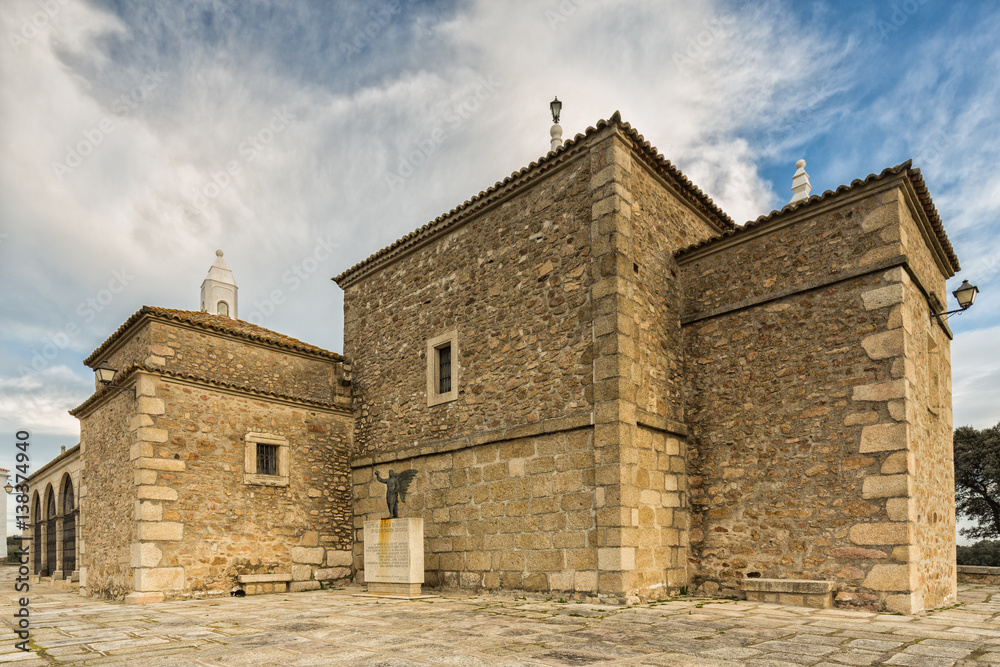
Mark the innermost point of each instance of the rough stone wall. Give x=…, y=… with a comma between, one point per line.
x=201, y=524
x=107, y=499
x=515, y=284
x=134, y=349
x=209, y=354
x=814, y=476
x=239, y=362
x=919, y=257
x=642, y=512
x=608, y=315
x=661, y=224
x=654, y=461
x=930, y=461
x=514, y=514
x=789, y=257
x=776, y=475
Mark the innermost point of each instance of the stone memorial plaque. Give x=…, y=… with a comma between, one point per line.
x=394, y=556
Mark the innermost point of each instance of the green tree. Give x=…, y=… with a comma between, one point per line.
x=985, y=552
x=977, y=479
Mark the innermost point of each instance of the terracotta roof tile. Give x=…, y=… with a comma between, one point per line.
x=915, y=178
x=219, y=323
x=62, y=456
x=643, y=147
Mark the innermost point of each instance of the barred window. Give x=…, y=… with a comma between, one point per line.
x=267, y=459
x=444, y=369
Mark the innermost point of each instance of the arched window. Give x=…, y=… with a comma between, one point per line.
x=50, y=505
x=67, y=497
x=224, y=309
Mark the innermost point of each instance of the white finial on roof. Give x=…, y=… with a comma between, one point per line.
x=555, y=133
x=800, y=183
x=218, y=290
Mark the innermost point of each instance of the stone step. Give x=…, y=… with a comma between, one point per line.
x=801, y=592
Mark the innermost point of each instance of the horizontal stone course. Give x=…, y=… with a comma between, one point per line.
x=263, y=578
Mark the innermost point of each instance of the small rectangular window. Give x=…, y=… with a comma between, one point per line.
x=444, y=369
x=267, y=459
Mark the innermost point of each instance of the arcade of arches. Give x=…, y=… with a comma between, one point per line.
x=55, y=525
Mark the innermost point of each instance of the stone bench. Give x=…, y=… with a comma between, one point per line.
x=801, y=592
x=254, y=584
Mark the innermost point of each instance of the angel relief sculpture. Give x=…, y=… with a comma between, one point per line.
x=395, y=489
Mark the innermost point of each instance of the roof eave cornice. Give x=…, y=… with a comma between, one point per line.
x=544, y=167
x=810, y=208
x=907, y=180
x=929, y=222
x=130, y=375
x=147, y=313
x=485, y=201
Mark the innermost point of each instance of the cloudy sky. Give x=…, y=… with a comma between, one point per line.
x=137, y=137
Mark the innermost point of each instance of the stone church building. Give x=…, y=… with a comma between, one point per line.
x=608, y=389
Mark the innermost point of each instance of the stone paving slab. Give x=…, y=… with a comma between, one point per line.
x=334, y=628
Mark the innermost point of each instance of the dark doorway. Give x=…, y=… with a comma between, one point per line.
x=50, y=539
x=36, y=529
x=69, y=531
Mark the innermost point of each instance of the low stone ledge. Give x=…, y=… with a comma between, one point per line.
x=800, y=592
x=696, y=316
x=534, y=429
x=263, y=578
x=978, y=574
x=660, y=423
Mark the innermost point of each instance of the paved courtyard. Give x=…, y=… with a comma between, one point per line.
x=334, y=628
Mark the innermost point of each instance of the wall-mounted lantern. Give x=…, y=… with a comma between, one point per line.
x=106, y=377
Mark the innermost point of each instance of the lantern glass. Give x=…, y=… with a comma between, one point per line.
x=105, y=374
x=966, y=294
x=556, y=107
x=9, y=488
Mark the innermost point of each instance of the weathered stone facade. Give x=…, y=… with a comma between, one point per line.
x=558, y=286
x=172, y=501
x=770, y=400
x=607, y=388
x=815, y=434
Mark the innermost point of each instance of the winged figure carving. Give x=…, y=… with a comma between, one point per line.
x=396, y=486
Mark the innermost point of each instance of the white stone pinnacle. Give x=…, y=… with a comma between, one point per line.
x=218, y=290
x=556, y=134
x=800, y=183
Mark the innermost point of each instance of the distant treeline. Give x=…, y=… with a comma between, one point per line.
x=985, y=552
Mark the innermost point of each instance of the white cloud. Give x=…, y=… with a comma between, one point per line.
x=40, y=402
x=975, y=370
x=716, y=87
